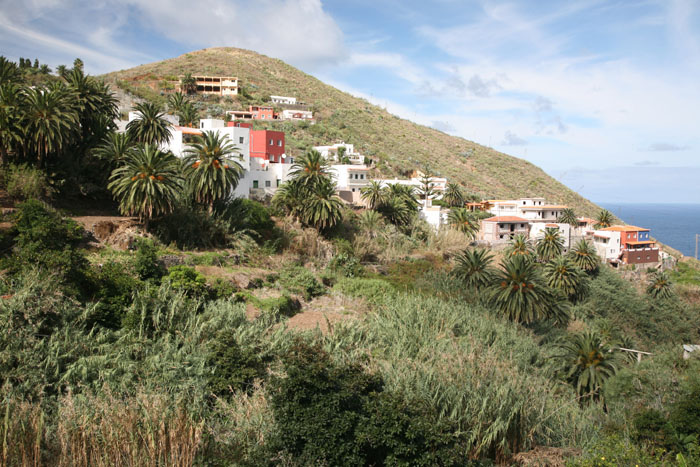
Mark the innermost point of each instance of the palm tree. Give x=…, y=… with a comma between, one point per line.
x=660, y=285
x=462, y=220
x=587, y=364
x=454, y=196
x=562, y=274
x=550, y=245
x=521, y=294
x=584, y=255
x=176, y=102
x=519, y=246
x=188, y=84
x=474, y=268
x=188, y=114
x=78, y=64
x=604, y=219
x=323, y=209
x=373, y=194
x=9, y=72
x=210, y=169
x=150, y=125
x=148, y=184
x=568, y=216
x=11, y=118
x=290, y=197
x=396, y=210
x=370, y=222
x=51, y=120
x=115, y=148
x=61, y=71
x=310, y=169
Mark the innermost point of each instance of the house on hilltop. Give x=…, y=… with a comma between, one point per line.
x=214, y=85
x=625, y=244
x=501, y=229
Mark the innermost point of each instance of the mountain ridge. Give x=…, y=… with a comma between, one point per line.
x=398, y=145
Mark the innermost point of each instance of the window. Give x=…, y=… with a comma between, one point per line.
x=263, y=116
x=500, y=236
x=362, y=176
x=255, y=183
x=267, y=183
x=272, y=142
x=639, y=257
x=241, y=139
x=353, y=190
x=279, y=142
x=648, y=257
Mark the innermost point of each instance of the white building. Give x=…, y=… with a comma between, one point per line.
x=438, y=183
x=537, y=231
x=297, y=115
x=608, y=244
x=434, y=215
x=283, y=100
x=350, y=179
x=331, y=152
x=501, y=229
x=532, y=209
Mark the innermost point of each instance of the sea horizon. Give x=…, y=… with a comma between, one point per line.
x=673, y=224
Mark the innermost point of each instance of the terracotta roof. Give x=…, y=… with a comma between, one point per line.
x=552, y=225
x=587, y=220
x=189, y=131
x=547, y=206
x=506, y=219
x=625, y=228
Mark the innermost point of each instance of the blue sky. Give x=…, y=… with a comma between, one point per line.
x=603, y=95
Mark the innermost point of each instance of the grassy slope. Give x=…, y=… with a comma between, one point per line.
x=398, y=144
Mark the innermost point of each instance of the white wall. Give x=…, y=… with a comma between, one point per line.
x=537, y=231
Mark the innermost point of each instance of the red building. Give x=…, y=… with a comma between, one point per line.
x=265, y=144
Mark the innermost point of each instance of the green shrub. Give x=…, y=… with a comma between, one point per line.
x=223, y=289
x=146, y=263
x=299, y=280
x=113, y=289
x=187, y=280
x=234, y=367
x=374, y=290
x=346, y=265
x=191, y=228
x=685, y=412
x=24, y=182
x=280, y=306
x=650, y=426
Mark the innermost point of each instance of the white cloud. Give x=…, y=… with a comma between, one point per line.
x=511, y=139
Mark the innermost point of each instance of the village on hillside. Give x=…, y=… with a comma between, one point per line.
x=266, y=166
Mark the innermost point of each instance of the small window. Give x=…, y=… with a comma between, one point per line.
x=648, y=257
x=263, y=116
x=241, y=139
x=353, y=190
x=279, y=142
x=362, y=176
x=272, y=142
x=267, y=184
x=500, y=236
x=278, y=182
x=639, y=257
x=255, y=183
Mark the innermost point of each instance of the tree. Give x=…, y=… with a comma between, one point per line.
x=341, y=155
x=9, y=72
x=148, y=184
x=45, y=70
x=462, y=220
x=604, y=219
x=562, y=274
x=323, y=209
x=396, y=210
x=519, y=246
x=11, y=120
x=78, y=64
x=550, y=245
x=587, y=363
x=211, y=172
x=188, y=84
x=188, y=115
x=61, y=71
x=51, y=120
x=373, y=194
x=568, y=216
x=290, y=197
x=115, y=148
x=474, y=268
x=584, y=255
x=370, y=222
x=660, y=285
x=176, y=102
x=521, y=294
x=427, y=188
x=150, y=125
x=310, y=169
x=454, y=196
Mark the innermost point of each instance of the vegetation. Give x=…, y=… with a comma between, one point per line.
x=604, y=219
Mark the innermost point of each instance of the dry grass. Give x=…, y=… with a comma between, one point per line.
x=326, y=311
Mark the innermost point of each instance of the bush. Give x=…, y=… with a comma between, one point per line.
x=234, y=367
x=346, y=265
x=223, y=289
x=113, y=289
x=191, y=228
x=280, y=306
x=24, y=182
x=146, y=263
x=187, y=280
x=297, y=279
x=374, y=290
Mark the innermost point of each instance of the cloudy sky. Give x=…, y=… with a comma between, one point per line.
x=604, y=95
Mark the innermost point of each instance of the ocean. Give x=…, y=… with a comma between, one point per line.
x=672, y=224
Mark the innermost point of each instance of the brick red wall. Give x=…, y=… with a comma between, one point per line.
x=260, y=144
x=630, y=256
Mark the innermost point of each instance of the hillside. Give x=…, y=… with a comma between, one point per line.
x=398, y=145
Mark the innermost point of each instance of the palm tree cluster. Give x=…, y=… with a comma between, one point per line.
x=523, y=289
x=464, y=221
x=310, y=194
x=396, y=203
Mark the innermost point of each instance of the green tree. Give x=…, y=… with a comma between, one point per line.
x=373, y=194
x=51, y=120
x=587, y=363
x=474, y=267
x=521, y=294
x=290, y=197
x=310, y=169
x=427, y=187
x=148, y=184
x=462, y=220
x=370, y=222
x=396, y=210
x=211, y=171
x=564, y=275
x=188, y=115
x=454, y=196
x=519, y=246
x=568, y=216
x=9, y=72
x=11, y=120
x=61, y=71
x=176, y=102
x=584, y=255
x=660, y=285
x=78, y=64
x=188, y=84
x=550, y=245
x=323, y=208
x=116, y=147
x=150, y=125
x=604, y=219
